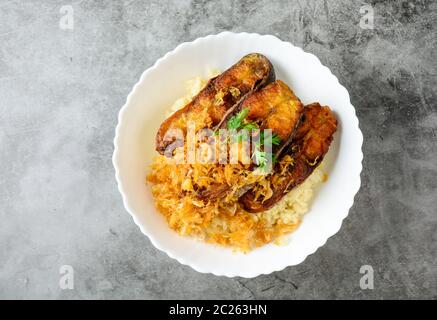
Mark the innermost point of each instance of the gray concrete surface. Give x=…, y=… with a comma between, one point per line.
x=61, y=90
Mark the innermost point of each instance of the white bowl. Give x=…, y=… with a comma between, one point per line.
x=163, y=83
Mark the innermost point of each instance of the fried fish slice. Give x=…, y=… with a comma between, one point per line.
x=311, y=143
x=276, y=107
x=273, y=107
x=222, y=93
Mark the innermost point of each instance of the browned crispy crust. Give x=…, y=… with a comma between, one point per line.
x=309, y=146
x=215, y=191
x=276, y=107
x=220, y=95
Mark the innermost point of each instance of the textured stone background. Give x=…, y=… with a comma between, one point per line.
x=61, y=90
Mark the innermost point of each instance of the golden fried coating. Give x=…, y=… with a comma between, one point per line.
x=221, y=93
x=309, y=146
x=275, y=107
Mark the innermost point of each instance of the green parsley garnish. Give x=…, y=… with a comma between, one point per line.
x=275, y=139
x=237, y=123
x=260, y=157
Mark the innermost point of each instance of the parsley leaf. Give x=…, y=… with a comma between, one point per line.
x=249, y=126
x=260, y=157
x=275, y=139
x=236, y=121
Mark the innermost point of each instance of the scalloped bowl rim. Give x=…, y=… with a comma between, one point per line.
x=354, y=187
